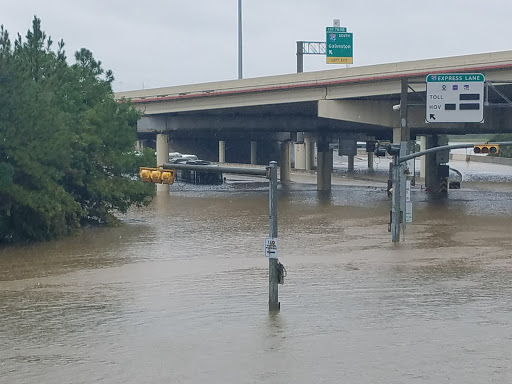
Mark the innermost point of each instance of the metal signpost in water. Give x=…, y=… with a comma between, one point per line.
x=398, y=176
x=273, y=262
x=274, y=267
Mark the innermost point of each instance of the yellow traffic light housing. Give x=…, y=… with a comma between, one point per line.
x=145, y=175
x=157, y=175
x=486, y=148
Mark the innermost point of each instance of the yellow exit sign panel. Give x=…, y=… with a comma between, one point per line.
x=340, y=60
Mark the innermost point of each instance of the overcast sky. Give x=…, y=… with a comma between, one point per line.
x=173, y=42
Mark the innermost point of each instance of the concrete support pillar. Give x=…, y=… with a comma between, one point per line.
x=309, y=148
x=324, y=170
x=222, y=151
x=431, y=175
x=162, y=156
x=300, y=155
x=370, y=161
x=370, y=139
x=423, y=146
x=324, y=165
x=254, y=153
x=350, y=166
x=285, y=163
x=139, y=145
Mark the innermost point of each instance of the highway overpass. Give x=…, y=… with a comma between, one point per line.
x=352, y=102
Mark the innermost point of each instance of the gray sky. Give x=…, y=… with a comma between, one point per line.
x=173, y=42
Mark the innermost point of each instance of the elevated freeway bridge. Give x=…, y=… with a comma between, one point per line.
x=312, y=109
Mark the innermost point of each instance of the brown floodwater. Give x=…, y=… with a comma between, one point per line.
x=178, y=294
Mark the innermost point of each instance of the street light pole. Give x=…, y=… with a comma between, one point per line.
x=239, y=39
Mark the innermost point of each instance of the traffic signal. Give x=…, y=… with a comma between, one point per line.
x=486, y=148
x=157, y=175
x=370, y=146
x=380, y=151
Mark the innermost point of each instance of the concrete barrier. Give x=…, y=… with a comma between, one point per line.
x=482, y=159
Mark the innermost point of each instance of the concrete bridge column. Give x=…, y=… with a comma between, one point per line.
x=300, y=155
x=324, y=166
x=370, y=160
x=431, y=176
x=350, y=166
x=285, y=163
x=370, y=154
x=162, y=156
x=309, y=149
x=254, y=153
x=139, y=145
x=423, y=146
x=222, y=151
x=432, y=161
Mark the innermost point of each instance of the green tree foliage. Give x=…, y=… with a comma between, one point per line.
x=66, y=146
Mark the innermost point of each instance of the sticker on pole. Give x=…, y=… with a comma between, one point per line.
x=408, y=212
x=271, y=248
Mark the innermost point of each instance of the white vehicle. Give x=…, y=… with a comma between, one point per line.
x=173, y=156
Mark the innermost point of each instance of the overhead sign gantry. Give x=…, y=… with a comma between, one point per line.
x=399, y=178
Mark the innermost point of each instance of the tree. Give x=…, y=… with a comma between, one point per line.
x=67, y=147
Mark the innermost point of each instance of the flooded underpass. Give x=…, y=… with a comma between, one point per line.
x=178, y=294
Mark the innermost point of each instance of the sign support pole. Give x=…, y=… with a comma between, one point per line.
x=398, y=177
x=405, y=137
x=396, y=214
x=273, y=269
x=403, y=184
x=300, y=56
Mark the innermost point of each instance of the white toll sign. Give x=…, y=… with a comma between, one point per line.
x=455, y=98
x=408, y=212
x=271, y=248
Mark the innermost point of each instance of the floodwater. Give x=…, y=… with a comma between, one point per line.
x=178, y=294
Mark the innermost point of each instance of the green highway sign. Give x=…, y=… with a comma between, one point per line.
x=338, y=46
x=455, y=77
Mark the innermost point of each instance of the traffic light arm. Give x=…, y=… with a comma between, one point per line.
x=453, y=146
x=166, y=174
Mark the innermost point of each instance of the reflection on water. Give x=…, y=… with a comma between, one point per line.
x=179, y=293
